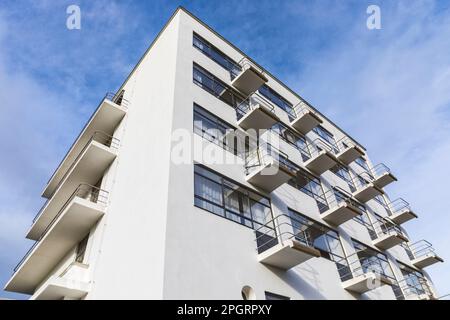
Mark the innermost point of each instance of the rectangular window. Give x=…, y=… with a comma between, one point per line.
x=216, y=55
x=311, y=186
x=216, y=87
x=81, y=249
x=213, y=129
x=372, y=260
x=344, y=174
x=275, y=98
x=227, y=199
x=294, y=139
x=274, y=296
x=362, y=163
x=414, y=282
x=325, y=135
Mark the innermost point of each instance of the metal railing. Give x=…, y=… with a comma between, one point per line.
x=98, y=136
x=397, y=206
x=379, y=170
x=117, y=98
x=336, y=195
x=301, y=109
x=421, y=248
x=345, y=143
x=84, y=191
x=285, y=227
x=415, y=287
x=250, y=104
x=245, y=64
x=354, y=266
x=384, y=226
x=264, y=155
x=318, y=145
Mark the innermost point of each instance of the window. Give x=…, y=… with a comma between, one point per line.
x=365, y=221
x=216, y=55
x=311, y=186
x=274, y=296
x=274, y=97
x=215, y=130
x=325, y=135
x=81, y=249
x=344, y=174
x=293, y=139
x=372, y=260
x=225, y=198
x=414, y=281
x=362, y=163
x=217, y=88
x=317, y=235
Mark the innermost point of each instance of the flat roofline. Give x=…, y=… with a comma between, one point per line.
x=181, y=8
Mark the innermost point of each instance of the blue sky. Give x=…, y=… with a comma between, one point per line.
x=394, y=82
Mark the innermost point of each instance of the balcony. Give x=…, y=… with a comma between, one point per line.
x=400, y=211
x=249, y=79
x=76, y=217
x=322, y=157
x=382, y=175
x=388, y=235
x=304, y=119
x=108, y=115
x=365, y=190
x=73, y=283
x=363, y=274
x=87, y=167
x=341, y=207
x=268, y=168
x=349, y=151
x=415, y=288
x=423, y=255
x=256, y=112
x=284, y=244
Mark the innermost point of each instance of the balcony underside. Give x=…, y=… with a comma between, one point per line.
x=368, y=192
x=249, y=80
x=71, y=226
x=88, y=169
x=384, y=179
x=270, y=176
x=426, y=260
x=340, y=214
x=259, y=118
x=389, y=240
x=306, y=122
x=365, y=282
x=324, y=161
x=403, y=216
x=60, y=288
x=350, y=154
x=105, y=119
x=288, y=255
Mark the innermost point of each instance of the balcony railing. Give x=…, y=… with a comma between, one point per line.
x=341, y=206
x=98, y=136
x=256, y=112
x=417, y=288
x=245, y=64
x=422, y=254
x=388, y=234
x=264, y=155
x=354, y=266
x=84, y=191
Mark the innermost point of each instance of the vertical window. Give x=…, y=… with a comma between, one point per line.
x=362, y=163
x=214, y=86
x=294, y=139
x=215, y=130
x=325, y=135
x=225, y=198
x=372, y=260
x=311, y=186
x=81, y=249
x=344, y=174
x=216, y=55
x=274, y=97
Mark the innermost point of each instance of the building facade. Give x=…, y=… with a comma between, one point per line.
x=205, y=177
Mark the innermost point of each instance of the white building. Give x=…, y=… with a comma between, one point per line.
x=126, y=220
